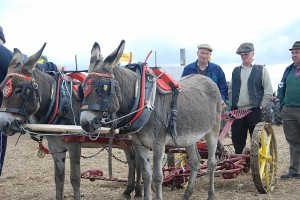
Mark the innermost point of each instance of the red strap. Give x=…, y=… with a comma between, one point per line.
x=166, y=78
x=44, y=149
x=142, y=96
x=56, y=101
x=78, y=76
x=20, y=75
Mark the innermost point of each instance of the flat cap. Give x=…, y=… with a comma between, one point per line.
x=205, y=46
x=245, y=48
x=295, y=46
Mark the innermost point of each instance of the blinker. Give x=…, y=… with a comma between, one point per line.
x=7, y=90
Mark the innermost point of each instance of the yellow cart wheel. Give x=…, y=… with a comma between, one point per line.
x=263, y=158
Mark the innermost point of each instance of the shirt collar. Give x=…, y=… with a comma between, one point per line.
x=297, y=66
x=253, y=63
x=202, y=67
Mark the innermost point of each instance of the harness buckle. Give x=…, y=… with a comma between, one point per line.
x=34, y=84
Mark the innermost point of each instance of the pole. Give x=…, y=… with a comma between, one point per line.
x=76, y=62
x=155, y=60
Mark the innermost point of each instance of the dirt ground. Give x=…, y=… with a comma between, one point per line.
x=26, y=176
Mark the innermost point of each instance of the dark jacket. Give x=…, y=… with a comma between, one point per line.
x=214, y=72
x=282, y=85
x=255, y=88
x=5, y=57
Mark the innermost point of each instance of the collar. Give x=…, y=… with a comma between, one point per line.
x=297, y=66
x=253, y=63
x=202, y=67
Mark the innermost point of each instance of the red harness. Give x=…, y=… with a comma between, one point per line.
x=7, y=90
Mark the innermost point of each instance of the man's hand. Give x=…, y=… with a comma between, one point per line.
x=223, y=105
x=61, y=68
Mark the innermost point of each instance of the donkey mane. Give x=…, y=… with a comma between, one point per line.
x=126, y=85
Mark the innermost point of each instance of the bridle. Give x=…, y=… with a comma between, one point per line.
x=105, y=87
x=27, y=92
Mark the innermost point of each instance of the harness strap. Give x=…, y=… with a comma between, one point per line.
x=55, y=111
x=26, y=93
x=10, y=110
x=142, y=97
x=95, y=107
x=105, y=89
x=46, y=117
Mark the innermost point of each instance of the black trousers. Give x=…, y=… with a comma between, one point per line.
x=3, y=142
x=240, y=128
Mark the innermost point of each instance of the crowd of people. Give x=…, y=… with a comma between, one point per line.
x=250, y=88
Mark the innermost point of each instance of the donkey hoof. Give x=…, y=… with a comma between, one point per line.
x=125, y=197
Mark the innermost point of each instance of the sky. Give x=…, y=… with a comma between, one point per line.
x=162, y=26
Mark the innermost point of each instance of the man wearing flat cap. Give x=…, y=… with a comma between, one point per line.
x=250, y=89
x=203, y=66
x=289, y=95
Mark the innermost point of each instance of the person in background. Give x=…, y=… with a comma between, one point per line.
x=5, y=57
x=250, y=89
x=203, y=66
x=289, y=94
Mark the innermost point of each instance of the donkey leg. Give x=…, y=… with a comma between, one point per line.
x=212, y=141
x=74, y=149
x=130, y=157
x=158, y=154
x=194, y=160
x=59, y=168
x=138, y=185
x=143, y=154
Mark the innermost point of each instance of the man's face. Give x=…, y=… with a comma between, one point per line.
x=203, y=55
x=247, y=58
x=296, y=56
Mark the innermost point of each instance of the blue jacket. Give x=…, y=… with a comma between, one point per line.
x=214, y=72
x=5, y=57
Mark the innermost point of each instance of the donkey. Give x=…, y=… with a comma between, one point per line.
x=199, y=115
x=27, y=98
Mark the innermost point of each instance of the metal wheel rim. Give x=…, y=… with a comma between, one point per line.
x=263, y=158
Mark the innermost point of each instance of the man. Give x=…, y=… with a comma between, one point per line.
x=203, y=66
x=5, y=58
x=289, y=95
x=250, y=89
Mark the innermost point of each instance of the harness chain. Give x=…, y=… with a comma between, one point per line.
x=172, y=135
x=173, y=113
x=166, y=127
x=91, y=156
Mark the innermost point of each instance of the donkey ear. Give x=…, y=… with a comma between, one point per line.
x=112, y=60
x=16, y=61
x=95, y=56
x=17, y=58
x=32, y=60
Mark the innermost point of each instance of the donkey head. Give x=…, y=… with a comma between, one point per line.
x=20, y=91
x=100, y=86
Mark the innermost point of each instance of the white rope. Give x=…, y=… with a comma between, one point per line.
x=148, y=105
x=64, y=82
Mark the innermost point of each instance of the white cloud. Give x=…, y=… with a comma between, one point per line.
x=71, y=27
